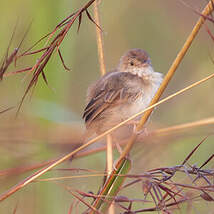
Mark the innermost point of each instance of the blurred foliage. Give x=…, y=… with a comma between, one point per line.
x=159, y=27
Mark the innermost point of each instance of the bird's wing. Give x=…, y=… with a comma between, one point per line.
x=111, y=91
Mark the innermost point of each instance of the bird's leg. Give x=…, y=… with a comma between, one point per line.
x=133, y=122
x=144, y=131
x=119, y=149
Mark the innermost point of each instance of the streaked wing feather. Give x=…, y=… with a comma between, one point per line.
x=94, y=113
x=92, y=104
x=97, y=106
x=112, y=89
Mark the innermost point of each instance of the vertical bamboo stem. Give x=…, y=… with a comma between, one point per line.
x=99, y=39
x=109, y=150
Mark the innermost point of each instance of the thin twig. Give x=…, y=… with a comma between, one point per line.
x=159, y=132
x=154, y=103
x=176, y=128
x=71, y=154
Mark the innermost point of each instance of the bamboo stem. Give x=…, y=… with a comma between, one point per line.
x=99, y=37
x=38, y=173
x=109, y=146
x=207, y=10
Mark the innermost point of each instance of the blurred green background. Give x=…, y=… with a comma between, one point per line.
x=50, y=123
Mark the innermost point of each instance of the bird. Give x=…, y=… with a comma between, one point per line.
x=121, y=93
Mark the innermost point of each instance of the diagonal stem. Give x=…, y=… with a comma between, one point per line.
x=207, y=10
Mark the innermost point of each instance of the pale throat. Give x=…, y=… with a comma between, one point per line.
x=152, y=81
x=148, y=75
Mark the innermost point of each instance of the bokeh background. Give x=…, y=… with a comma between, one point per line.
x=50, y=123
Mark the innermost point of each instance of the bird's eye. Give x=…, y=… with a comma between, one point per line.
x=131, y=63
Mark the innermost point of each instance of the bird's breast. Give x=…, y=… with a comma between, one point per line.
x=141, y=103
x=138, y=105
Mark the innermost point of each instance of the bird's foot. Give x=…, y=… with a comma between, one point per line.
x=119, y=149
x=133, y=122
x=143, y=132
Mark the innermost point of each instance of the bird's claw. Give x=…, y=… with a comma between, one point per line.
x=143, y=131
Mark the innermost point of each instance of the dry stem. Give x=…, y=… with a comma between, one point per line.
x=99, y=39
x=68, y=156
x=208, y=9
x=109, y=146
x=159, y=132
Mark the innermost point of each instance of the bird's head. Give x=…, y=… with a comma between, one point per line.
x=138, y=62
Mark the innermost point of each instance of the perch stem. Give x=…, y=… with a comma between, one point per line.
x=207, y=10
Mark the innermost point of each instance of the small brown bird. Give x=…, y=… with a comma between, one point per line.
x=121, y=93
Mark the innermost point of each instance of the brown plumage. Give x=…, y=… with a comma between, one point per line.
x=122, y=93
